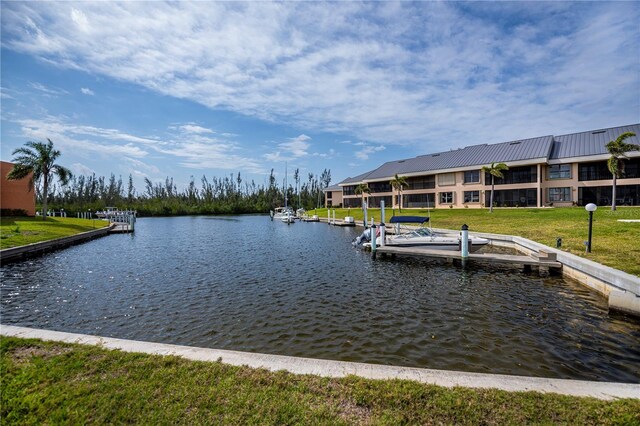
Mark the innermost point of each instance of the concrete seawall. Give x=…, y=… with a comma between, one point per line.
x=328, y=368
x=621, y=289
x=18, y=253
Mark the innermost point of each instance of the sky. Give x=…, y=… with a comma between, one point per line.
x=184, y=89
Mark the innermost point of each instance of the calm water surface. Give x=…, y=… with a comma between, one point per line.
x=250, y=284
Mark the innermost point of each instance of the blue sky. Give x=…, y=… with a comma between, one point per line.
x=185, y=89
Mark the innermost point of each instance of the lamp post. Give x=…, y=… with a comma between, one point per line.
x=590, y=208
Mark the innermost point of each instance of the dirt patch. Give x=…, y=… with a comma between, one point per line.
x=353, y=413
x=24, y=354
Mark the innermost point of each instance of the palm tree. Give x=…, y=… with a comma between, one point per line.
x=39, y=160
x=618, y=149
x=362, y=189
x=495, y=170
x=398, y=182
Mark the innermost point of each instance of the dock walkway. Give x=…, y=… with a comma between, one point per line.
x=526, y=261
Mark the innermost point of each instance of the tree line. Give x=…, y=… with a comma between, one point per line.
x=216, y=195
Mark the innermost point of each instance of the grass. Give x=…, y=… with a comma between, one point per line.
x=19, y=231
x=614, y=243
x=47, y=382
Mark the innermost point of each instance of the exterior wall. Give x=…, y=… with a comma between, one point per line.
x=542, y=186
x=574, y=184
x=332, y=198
x=15, y=194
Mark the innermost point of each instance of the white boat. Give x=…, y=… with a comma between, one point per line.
x=288, y=218
x=421, y=237
x=426, y=238
x=281, y=212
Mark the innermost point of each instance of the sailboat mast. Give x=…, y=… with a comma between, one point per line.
x=285, y=184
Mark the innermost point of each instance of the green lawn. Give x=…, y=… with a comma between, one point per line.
x=19, y=231
x=616, y=244
x=51, y=383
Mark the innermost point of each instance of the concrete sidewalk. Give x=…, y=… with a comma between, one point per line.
x=328, y=368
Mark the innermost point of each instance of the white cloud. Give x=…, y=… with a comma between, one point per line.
x=49, y=91
x=294, y=148
x=419, y=73
x=195, y=129
x=87, y=91
x=367, y=150
x=81, y=169
x=4, y=93
x=80, y=19
x=73, y=138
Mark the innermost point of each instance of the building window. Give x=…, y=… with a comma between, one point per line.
x=446, y=179
x=421, y=182
x=471, y=196
x=419, y=200
x=349, y=190
x=379, y=187
x=559, y=194
x=446, y=198
x=560, y=171
x=513, y=198
x=375, y=201
x=525, y=174
x=600, y=171
x=472, y=176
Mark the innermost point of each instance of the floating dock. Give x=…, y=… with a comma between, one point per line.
x=120, y=228
x=543, y=259
x=341, y=223
x=310, y=219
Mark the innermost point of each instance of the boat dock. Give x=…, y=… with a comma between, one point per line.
x=120, y=228
x=341, y=223
x=541, y=259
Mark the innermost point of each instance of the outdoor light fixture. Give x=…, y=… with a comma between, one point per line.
x=590, y=208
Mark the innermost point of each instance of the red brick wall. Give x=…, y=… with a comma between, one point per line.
x=15, y=194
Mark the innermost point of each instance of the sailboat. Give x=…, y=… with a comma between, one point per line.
x=285, y=213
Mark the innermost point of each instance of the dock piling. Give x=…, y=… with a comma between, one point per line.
x=464, y=241
x=373, y=240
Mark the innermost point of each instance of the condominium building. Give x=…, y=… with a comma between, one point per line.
x=548, y=170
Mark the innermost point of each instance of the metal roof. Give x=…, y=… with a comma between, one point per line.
x=355, y=180
x=590, y=143
x=541, y=148
x=335, y=187
x=476, y=155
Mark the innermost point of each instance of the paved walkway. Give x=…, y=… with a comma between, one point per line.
x=327, y=368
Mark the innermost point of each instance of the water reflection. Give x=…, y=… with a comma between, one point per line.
x=256, y=285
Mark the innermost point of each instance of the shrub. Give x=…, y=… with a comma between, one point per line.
x=13, y=212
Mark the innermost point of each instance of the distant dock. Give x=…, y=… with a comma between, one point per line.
x=120, y=228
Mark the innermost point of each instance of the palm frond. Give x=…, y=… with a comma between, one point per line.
x=19, y=171
x=613, y=164
x=62, y=173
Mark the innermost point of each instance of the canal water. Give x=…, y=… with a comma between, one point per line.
x=249, y=284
